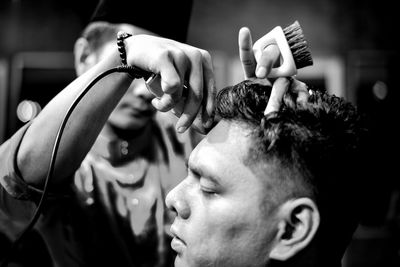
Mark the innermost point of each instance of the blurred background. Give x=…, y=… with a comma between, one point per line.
x=355, y=54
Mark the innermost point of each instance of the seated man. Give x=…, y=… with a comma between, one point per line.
x=280, y=189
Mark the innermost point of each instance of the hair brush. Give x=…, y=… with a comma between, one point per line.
x=294, y=49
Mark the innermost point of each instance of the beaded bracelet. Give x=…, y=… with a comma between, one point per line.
x=121, y=36
x=133, y=72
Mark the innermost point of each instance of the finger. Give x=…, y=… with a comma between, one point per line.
x=181, y=63
x=171, y=80
x=195, y=92
x=269, y=57
x=209, y=91
x=170, y=96
x=166, y=101
x=198, y=124
x=302, y=91
x=279, y=88
x=246, y=53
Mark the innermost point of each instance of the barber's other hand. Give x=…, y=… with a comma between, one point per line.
x=260, y=68
x=177, y=64
x=267, y=57
x=280, y=87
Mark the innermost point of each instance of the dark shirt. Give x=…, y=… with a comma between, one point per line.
x=113, y=211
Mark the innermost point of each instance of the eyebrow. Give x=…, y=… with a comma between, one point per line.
x=199, y=172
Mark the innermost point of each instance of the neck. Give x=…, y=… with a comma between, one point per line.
x=308, y=257
x=120, y=145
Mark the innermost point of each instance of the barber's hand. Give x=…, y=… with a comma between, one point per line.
x=267, y=57
x=279, y=88
x=260, y=68
x=177, y=64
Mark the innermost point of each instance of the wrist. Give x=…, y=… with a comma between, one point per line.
x=133, y=71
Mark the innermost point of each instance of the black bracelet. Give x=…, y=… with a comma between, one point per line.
x=121, y=36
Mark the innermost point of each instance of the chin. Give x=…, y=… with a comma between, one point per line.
x=179, y=262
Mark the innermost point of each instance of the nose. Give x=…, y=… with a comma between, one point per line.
x=176, y=201
x=138, y=88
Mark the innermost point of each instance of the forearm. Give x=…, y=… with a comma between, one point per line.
x=82, y=128
x=172, y=60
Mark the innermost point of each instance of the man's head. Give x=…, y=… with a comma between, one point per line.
x=162, y=18
x=269, y=189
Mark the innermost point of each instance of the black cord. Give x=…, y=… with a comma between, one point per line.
x=134, y=73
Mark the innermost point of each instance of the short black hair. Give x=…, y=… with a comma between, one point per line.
x=99, y=33
x=318, y=147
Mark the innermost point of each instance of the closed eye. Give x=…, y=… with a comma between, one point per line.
x=207, y=187
x=207, y=191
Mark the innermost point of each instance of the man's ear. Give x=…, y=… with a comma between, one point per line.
x=298, y=221
x=84, y=56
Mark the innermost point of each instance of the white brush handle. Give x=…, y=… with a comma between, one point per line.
x=277, y=36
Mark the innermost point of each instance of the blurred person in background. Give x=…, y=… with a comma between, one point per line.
x=118, y=157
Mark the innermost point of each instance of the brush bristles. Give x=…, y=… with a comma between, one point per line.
x=298, y=45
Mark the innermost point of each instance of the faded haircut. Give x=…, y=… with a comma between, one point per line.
x=316, y=148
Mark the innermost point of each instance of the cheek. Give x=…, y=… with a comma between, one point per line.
x=230, y=235
x=245, y=232
x=245, y=240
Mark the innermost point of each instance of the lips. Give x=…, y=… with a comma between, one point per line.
x=177, y=243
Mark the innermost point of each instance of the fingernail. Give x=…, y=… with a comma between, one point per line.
x=261, y=72
x=181, y=129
